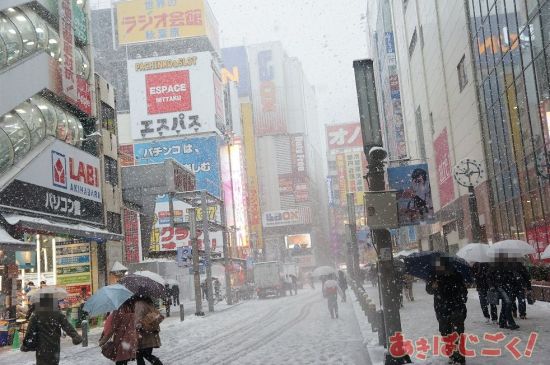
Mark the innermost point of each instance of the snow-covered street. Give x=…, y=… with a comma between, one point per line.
x=289, y=330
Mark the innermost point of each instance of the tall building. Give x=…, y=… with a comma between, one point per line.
x=55, y=225
x=511, y=55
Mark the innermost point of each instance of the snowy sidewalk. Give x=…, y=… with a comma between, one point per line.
x=418, y=321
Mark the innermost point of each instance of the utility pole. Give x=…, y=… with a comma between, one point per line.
x=196, y=257
x=372, y=144
x=353, y=235
x=226, y=257
x=208, y=251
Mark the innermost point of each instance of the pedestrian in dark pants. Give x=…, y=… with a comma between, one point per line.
x=500, y=278
x=176, y=295
x=330, y=291
x=343, y=284
x=148, y=321
x=480, y=271
x=294, y=280
x=450, y=296
x=521, y=283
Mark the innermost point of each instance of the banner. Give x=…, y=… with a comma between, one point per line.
x=174, y=96
x=131, y=236
x=73, y=269
x=344, y=136
x=342, y=177
x=236, y=69
x=142, y=21
x=414, y=197
x=268, y=85
x=298, y=155
x=443, y=165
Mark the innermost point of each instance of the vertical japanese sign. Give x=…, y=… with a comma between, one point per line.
x=268, y=85
x=443, y=165
x=68, y=75
x=74, y=268
x=343, y=136
x=131, y=236
x=174, y=96
x=236, y=69
x=149, y=20
x=342, y=180
x=298, y=154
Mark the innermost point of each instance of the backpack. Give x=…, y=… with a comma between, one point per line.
x=151, y=321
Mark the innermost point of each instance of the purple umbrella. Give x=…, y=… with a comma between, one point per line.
x=143, y=285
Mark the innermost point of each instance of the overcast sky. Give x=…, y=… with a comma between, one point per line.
x=326, y=35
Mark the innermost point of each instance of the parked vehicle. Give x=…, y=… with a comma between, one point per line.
x=267, y=277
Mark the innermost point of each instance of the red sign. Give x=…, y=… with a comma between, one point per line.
x=168, y=92
x=443, y=164
x=83, y=95
x=131, y=236
x=538, y=238
x=343, y=136
x=83, y=172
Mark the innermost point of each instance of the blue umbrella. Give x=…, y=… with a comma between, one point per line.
x=422, y=265
x=107, y=299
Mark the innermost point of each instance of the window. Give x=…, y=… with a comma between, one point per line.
x=108, y=118
x=420, y=133
x=421, y=37
x=111, y=171
x=114, y=223
x=412, y=44
x=462, y=76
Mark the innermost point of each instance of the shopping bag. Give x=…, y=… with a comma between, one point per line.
x=109, y=350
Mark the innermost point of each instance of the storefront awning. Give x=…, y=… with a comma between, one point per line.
x=8, y=242
x=81, y=231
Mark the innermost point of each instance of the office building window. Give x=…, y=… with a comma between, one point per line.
x=114, y=222
x=462, y=76
x=111, y=171
x=412, y=44
x=108, y=118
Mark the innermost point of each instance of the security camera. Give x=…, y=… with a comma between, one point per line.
x=378, y=153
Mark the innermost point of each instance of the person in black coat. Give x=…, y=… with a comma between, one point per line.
x=480, y=270
x=521, y=283
x=176, y=294
x=500, y=277
x=450, y=297
x=343, y=284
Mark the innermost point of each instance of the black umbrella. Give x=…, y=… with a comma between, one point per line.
x=422, y=264
x=143, y=285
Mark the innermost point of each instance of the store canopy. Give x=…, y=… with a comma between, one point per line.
x=7, y=241
x=64, y=229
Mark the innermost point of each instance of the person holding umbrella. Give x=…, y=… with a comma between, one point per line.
x=447, y=286
x=480, y=271
x=147, y=319
x=120, y=325
x=500, y=279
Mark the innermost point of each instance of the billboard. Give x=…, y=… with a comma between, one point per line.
x=344, y=136
x=63, y=181
x=74, y=269
x=143, y=21
x=287, y=217
x=174, y=95
x=443, y=165
x=414, y=196
x=303, y=241
x=268, y=87
x=236, y=69
x=198, y=154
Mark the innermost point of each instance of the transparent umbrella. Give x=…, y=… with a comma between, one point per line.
x=475, y=252
x=51, y=291
x=324, y=270
x=514, y=248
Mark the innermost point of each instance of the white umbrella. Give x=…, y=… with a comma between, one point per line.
x=151, y=275
x=405, y=253
x=512, y=248
x=475, y=252
x=546, y=253
x=324, y=270
x=53, y=291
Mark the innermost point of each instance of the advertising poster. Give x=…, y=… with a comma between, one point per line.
x=25, y=259
x=131, y=236
x=236, y=69
x=343, y=136
x=142, y=21
x=74, y=269
x=268, y=85
x=174, y=96
x=414, y=197
x=199, y=154
x=303, y=241
x=444, y=169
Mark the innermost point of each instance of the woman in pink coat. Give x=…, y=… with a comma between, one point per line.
x=120, y=325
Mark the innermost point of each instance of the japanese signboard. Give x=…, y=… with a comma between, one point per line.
x=344, y=136
x=149, y=20
x=63, y=181
x=342, y=177
x=443, y=165
x=414, y=196
x=180, y=96
x=236, y=69
x=74, y=269
x=268, y=85
x=131, y=236
x=68, y=74
x=199, y=154
x=298, y=154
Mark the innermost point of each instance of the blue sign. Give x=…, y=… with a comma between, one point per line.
x=236, y=68
x=390, y=46
x=198, y=154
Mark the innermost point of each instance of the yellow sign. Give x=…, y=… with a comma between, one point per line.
x=144, y=21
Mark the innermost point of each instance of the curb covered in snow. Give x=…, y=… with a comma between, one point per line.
x=370, y=339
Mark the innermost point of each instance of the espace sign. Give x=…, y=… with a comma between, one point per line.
x=65, y=169
x=168, y=92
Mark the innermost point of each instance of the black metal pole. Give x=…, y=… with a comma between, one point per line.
x=474, y=216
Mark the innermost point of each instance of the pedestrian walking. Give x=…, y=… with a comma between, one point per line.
x=294, y=281
x=330, y=291
x=44, y=331
x=288, y=284
x=167, y=300
x=147, y=322
x=204, y=288
x=521, y=284
x=480, y=271
x=373, y=275
x=218, y=290
x=176, y=295
x=343, y=284
x=450, y=296
x=500, y=278
x=311, y=280
x=408, y=287
x=121, y=327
